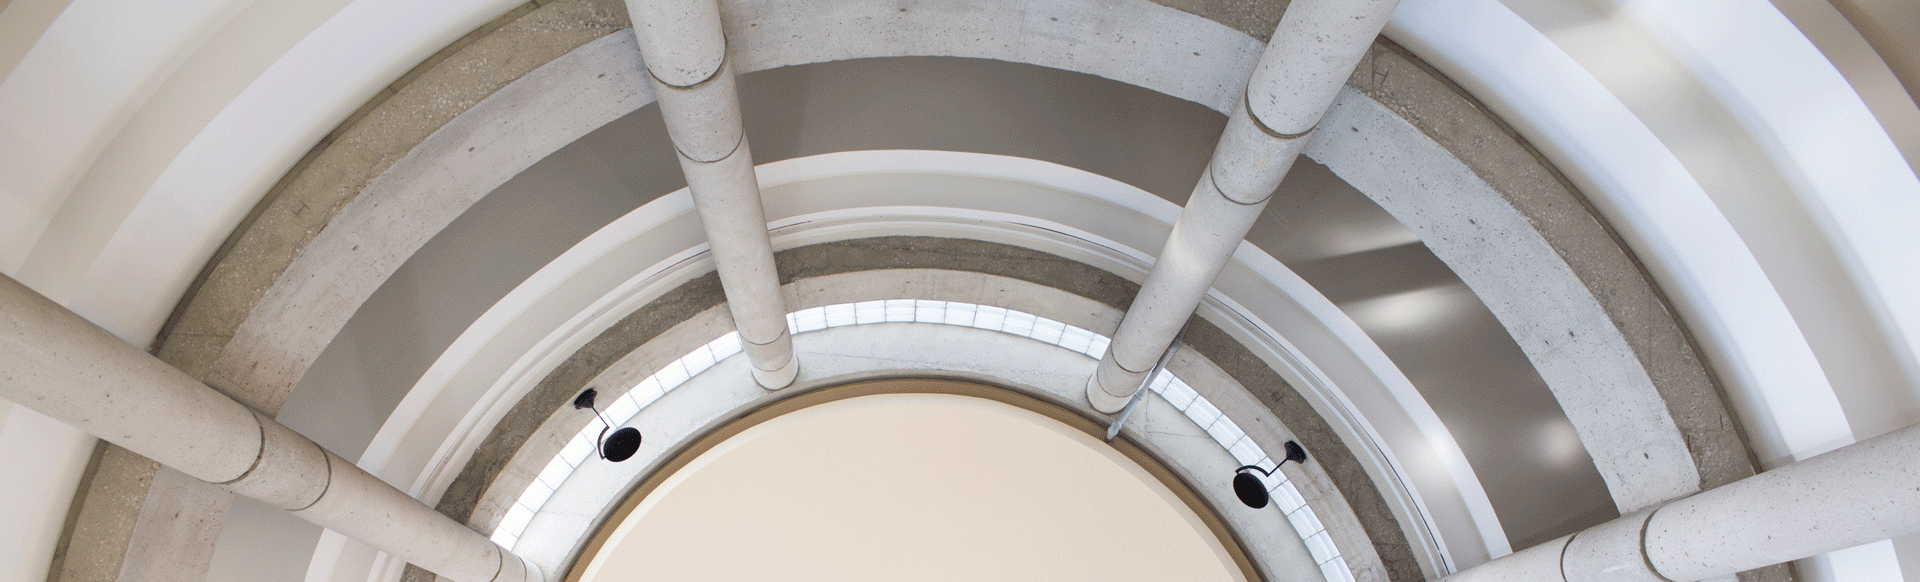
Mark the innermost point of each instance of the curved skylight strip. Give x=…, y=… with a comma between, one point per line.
x=1176, y=392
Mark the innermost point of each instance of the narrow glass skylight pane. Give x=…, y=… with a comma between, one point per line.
x=810, y=319
x=928, y=311
x=1019, y=323
x=839, y=315
x=1224, y=432
x=1076, y=339
x=1267, y=464
x=1098, y=349
x=989, y=317
x=960, y=314
x=1245, y=451
x=899, y=310
x=621, y=409
x=515, y=521
x=1287, y=497
x=1336, y=570
x=536, y=495
x=1047, y=330
x=1302, y=523
x=505, y=540
x=556, y=472
x=578, y=448
x=1161, y=382
x=1321, y=547
x=1180, y=396
x=646, y=391
x=726, y=346
x=866, y=312
x=1203, y=413
x=672, y=375
x=697, y=361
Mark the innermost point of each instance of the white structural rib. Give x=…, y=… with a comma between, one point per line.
x=57, y=363
x=686, y=54
x=1314, y=50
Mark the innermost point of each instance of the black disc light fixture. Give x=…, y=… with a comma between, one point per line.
x=616, y=448
x=1250, y=489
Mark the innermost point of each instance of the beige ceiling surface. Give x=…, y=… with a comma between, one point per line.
x=889, y=487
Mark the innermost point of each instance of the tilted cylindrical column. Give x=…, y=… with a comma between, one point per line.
x=1314, y=49
x=1864, y=492
x=686, y=55
x=57, y=363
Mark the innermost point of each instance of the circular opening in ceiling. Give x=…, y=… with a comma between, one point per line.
x=911, y=486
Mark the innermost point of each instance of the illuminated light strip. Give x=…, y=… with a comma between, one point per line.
x=1176, y=392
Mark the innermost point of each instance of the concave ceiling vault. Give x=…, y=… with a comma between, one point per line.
x=414, y=231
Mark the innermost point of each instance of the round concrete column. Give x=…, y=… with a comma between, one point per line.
x=55, y=362
x=686, y=54
x=1314, y=49
x=1864, y=492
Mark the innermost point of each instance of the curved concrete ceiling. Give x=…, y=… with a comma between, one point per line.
x=1701, y=135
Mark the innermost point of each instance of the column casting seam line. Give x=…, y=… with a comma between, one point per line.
x=258, y=454
x=499, y=563
x=326, y=485
x=710, y=76
x=1248, y=101
x=1646, y=557
x=783, y=333
x=1229, y=197
x=736, y=148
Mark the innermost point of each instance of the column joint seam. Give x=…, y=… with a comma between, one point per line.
x=1246, y=98
x=736, y=148
x=1646, y=557
x=783, y=333
x=717, y=69
x=326, y=484
x=260, y=428
x=1223, y=192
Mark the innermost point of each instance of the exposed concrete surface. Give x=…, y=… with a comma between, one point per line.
x=1569, y=224
x=60, y=364
x=121, y=513
x=1694, y=400
x=233, y=287
x=488, y=474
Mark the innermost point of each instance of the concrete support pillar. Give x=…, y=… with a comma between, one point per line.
x=686, y=54
x=1864, y=492
x=1314, y=49
x=55, y=362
